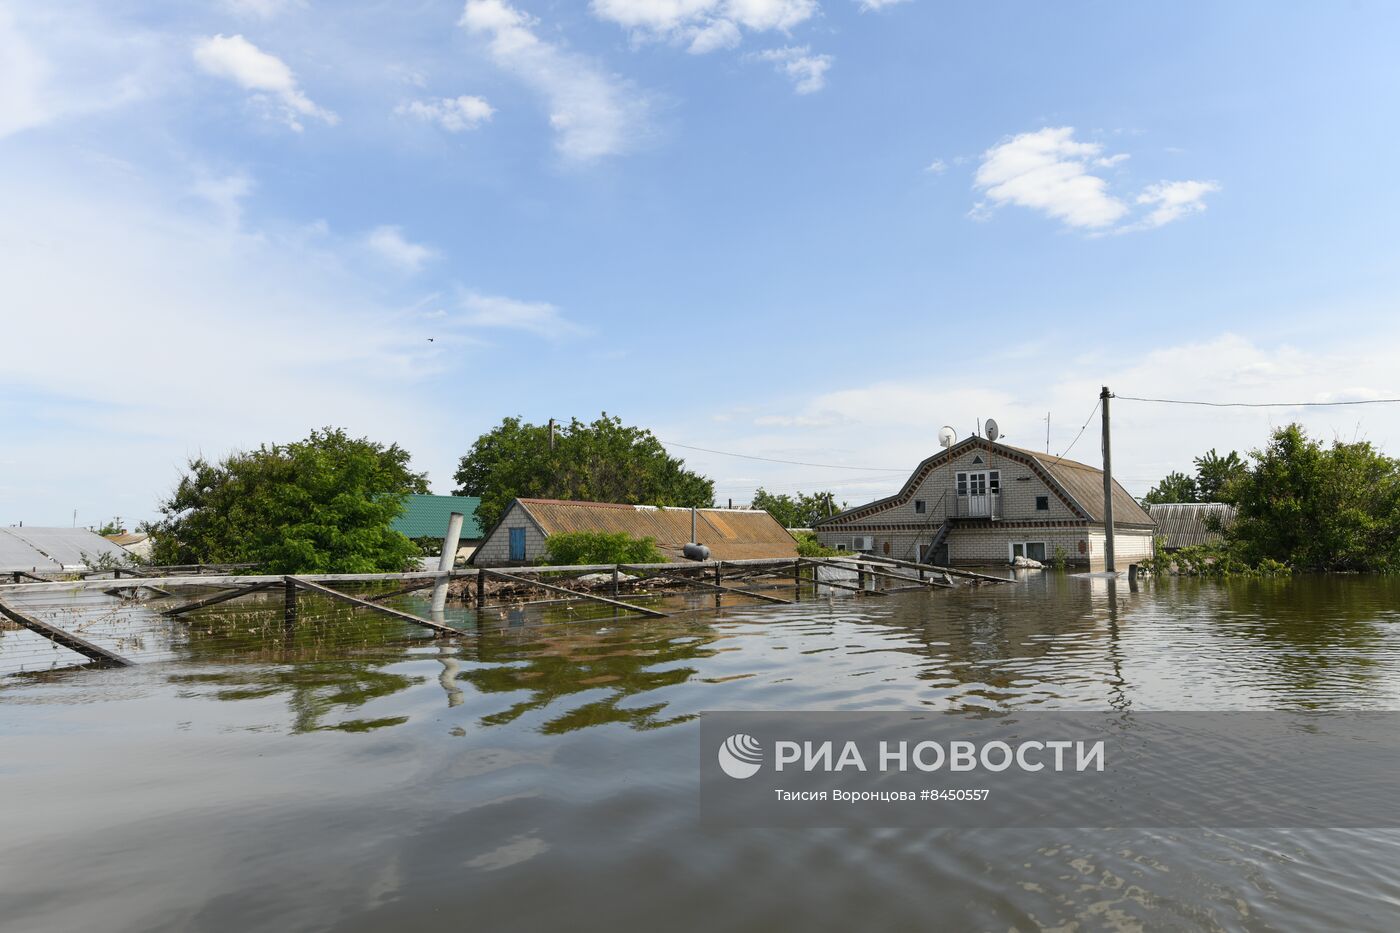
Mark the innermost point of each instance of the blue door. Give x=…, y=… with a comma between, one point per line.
x=517, y=544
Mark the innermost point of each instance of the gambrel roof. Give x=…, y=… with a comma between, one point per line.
x=1078, y=485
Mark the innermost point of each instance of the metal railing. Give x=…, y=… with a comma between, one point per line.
x=985, y=506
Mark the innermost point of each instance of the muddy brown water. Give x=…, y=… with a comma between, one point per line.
x=542, y=772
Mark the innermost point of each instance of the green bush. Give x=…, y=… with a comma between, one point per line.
x=1210, y=560
x=571, y=548
x=809, y=546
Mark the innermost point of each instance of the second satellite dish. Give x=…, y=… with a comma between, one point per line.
x=993, y=432
x=946, y=436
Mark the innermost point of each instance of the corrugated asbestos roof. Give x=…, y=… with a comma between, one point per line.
x=127, y=539
x=50, y=549
x=1085, y=484
x=1183, y=524
x=426, y=516
x=730, y=534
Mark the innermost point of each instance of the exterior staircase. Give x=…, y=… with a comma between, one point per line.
x=939, y=537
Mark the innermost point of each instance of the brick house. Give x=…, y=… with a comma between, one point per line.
x=521, y=536
x=982, y=502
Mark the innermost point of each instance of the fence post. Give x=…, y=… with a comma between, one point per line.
x=448, y=558
x=289, y=605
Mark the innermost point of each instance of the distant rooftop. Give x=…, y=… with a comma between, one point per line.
x=52, y=549
x=1184, y=524
x=426, y=516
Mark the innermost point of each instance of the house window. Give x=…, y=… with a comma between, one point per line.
x=841, y=546
x=1035, y=550
x=919, y=506
x=1042, y=503
x=887, y=548
x=994, y=482
x=962, y=484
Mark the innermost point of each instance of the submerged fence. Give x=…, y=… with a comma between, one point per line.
x=132, y=619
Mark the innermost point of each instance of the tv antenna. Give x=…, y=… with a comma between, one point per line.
x=993, y=432
x=946, y=436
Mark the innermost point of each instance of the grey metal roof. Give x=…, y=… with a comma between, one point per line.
x=51, y=549
x=1183, y=524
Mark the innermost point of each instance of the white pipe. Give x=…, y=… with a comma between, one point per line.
x=445, y=562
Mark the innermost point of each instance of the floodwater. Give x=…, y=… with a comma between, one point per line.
x=542, y=773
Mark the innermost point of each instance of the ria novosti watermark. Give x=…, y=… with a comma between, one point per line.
x=1050, y=769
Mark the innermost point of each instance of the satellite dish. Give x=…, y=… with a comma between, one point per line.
x=946, y=436
x=993, y=432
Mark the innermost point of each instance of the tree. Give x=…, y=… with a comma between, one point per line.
x=605, y=461
x=574, y=548
x=1216, y=475
x=318, y=505
x=1316, y=507
x=1175, y=487
x=799, y=510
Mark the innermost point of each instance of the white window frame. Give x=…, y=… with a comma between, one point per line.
x=1011, y=547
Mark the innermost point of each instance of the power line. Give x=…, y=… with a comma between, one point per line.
x=825, y=466
x=1177, y=401
x=1062, y=454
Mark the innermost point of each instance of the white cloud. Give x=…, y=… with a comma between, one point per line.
x=703, y=25
x=298, y=333
x=453, y=114
x=60, y=61
x=892, y=423
x=806, y=71
x=713, y=36
x=870, y=6
x=537, y=317
x=1051, y=172
x=242, y=62
x=226, y=194
x=22, y=75
x=1048, y=171
x=937, y=167
x=593, y=113
x=390, y=244
x=1174, y=199
x=262, y=9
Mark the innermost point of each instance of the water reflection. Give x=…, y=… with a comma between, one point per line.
x=1050, y=640
x=359, y=775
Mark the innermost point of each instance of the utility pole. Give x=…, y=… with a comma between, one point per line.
x=551, y=433
x=1104, y=396
x=1047, y=432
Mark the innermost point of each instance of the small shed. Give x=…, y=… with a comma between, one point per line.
x=137, y=542
x=1184, y=524
x=53, y=550
x=730, y=534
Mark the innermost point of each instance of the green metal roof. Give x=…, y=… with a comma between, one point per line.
x=426, y=516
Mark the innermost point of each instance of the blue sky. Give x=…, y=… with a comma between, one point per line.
x=801, y=230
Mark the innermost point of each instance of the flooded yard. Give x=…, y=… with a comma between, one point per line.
x=541, y=772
